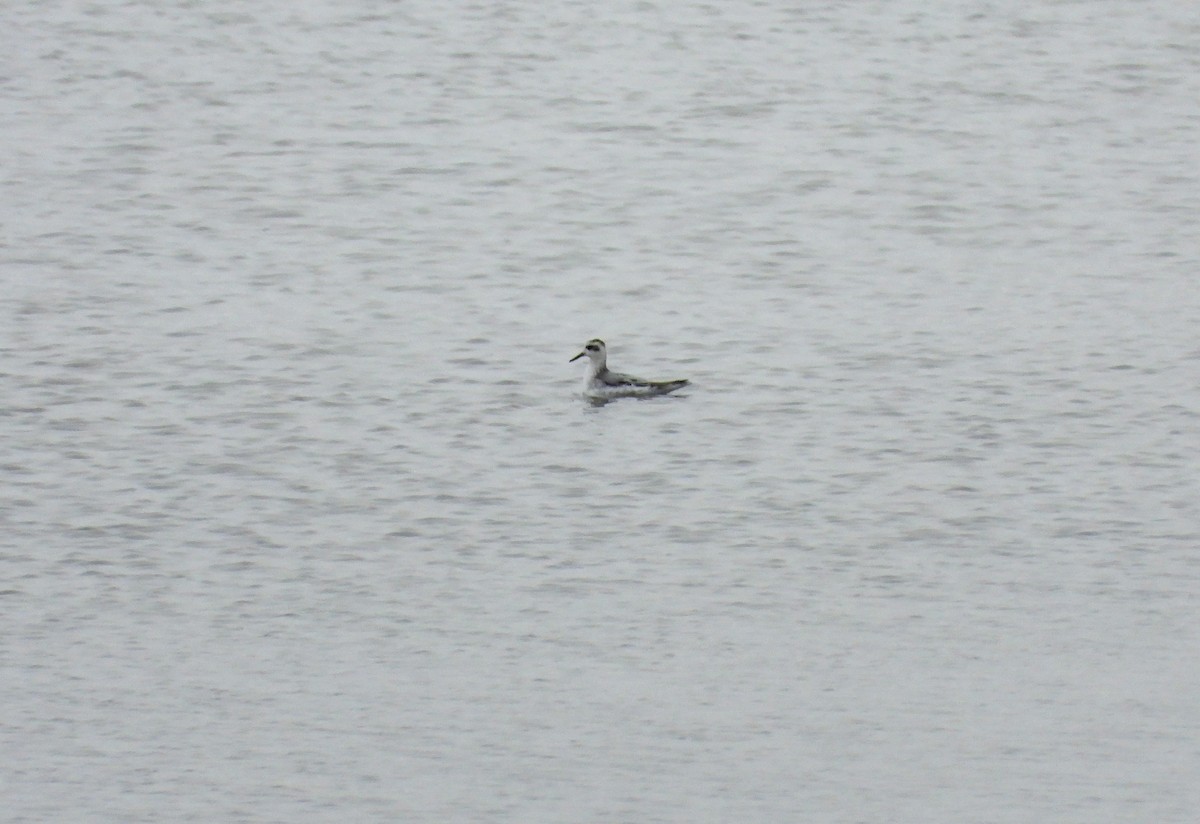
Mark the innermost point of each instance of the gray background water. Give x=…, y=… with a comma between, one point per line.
x=303, y=518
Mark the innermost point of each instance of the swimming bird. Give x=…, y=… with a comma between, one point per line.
x=601, y=382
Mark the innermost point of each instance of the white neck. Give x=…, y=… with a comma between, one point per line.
x=595, y=367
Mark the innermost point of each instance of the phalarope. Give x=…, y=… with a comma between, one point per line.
x=602, y=382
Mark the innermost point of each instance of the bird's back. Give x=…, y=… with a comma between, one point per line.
x=616, y=382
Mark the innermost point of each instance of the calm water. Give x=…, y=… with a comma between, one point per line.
x=303, y=518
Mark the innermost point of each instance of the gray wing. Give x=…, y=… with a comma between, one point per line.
x=610, y=378
x=616, y=379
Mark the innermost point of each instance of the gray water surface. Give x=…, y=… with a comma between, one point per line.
x=304, y=519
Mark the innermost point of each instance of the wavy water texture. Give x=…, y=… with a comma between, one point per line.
x=304, y=518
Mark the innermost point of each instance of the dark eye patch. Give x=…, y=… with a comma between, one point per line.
x=592, y=347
